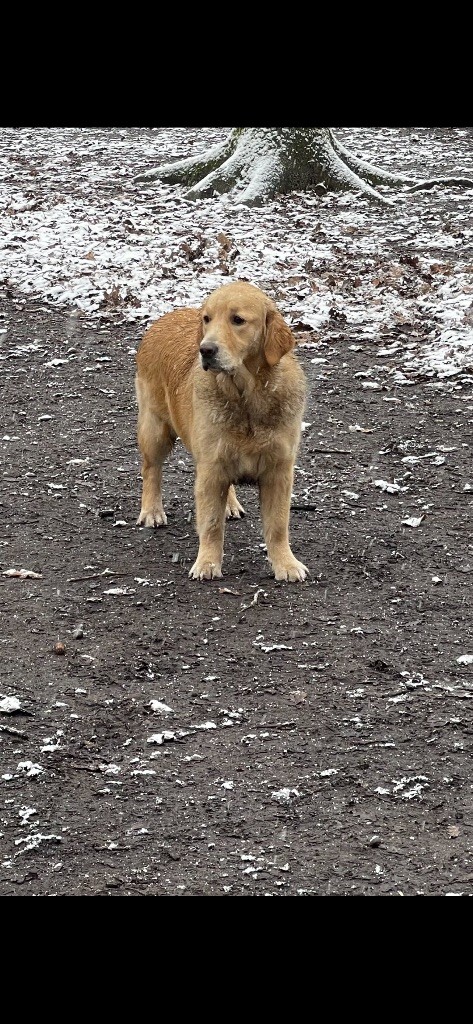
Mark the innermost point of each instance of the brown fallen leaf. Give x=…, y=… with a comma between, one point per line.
x=226, y=242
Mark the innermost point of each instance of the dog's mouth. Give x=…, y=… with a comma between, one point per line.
x=210, y=359
x=209, y=363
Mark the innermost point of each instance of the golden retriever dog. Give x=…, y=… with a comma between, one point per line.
x=225, y=380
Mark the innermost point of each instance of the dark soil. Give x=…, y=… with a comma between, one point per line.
x=319, y=737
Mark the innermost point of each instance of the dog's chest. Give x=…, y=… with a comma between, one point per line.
x=246, y=441
x=247, y=432
x=247, y=423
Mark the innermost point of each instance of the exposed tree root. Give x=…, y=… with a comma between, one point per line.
x=257, y=164
x=424, y=185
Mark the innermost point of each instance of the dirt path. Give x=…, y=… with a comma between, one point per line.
x=241, y=737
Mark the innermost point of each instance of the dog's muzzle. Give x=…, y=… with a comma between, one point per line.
x=209, y=355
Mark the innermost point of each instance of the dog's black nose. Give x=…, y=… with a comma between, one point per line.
x=208, y=351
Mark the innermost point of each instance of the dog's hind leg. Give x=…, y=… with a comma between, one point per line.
x=155, y=440
x=233, y=509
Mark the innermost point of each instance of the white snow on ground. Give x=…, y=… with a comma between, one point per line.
x=78, y=231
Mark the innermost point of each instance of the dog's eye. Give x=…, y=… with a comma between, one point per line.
x=238, y=320
x=206, y=319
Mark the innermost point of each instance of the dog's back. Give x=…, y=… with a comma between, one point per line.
x=164, y=359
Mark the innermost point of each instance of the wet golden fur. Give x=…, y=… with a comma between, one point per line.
x=225, y=380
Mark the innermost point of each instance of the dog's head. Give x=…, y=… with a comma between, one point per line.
x=241, y=324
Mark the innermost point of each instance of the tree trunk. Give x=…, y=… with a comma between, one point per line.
x=257, y=164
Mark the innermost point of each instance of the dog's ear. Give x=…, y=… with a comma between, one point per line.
x=279, y=338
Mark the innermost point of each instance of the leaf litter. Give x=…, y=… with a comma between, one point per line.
x=365, y=658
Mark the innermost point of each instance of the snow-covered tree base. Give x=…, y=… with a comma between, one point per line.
x=256, y=164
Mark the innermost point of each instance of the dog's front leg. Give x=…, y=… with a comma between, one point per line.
x=210, y=502
x=275, y=488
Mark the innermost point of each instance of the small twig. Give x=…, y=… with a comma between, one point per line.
x=96, y=576
x=276, y=725
x=14, y=732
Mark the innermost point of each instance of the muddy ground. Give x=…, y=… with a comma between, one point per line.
x=239, y=737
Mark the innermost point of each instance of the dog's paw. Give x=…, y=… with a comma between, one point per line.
x=234, y=510
x=291, y=571
x=153, y=519
x=202, y=570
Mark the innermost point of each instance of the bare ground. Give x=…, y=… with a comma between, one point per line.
x=318, y=737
